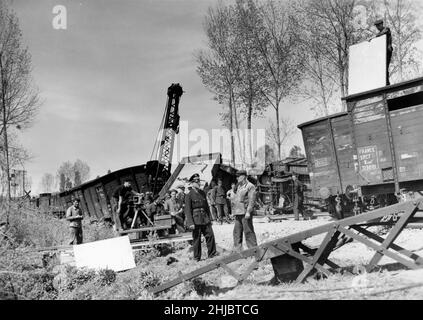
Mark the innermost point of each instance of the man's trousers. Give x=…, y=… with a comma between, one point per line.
x=244, y=226
x=207, y=232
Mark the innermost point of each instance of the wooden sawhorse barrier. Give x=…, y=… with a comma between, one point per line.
x=337, y=234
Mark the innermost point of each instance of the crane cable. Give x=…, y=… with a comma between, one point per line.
x=156, y=147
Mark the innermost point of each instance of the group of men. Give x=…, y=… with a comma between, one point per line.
x=199, y=217
x=194, y=210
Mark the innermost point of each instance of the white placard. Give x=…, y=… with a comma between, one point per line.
x=367, y=65
x=115, y=254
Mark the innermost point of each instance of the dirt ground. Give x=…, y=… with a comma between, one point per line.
x=389, y=282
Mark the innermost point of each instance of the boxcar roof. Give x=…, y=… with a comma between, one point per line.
x=335, y=115
x=393, y=87
x=96, y=180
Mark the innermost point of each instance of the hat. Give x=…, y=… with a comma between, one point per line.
x=241, y=173
x=378, y=21
x=76, y=199
x=195, y=176
x=180, y=186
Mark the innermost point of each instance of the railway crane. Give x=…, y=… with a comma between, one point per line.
x=161, y=157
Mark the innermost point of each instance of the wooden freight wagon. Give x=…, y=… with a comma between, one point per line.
x=374, y=149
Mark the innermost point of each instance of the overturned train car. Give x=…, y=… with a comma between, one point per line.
x=370, y=155
x=97, y=195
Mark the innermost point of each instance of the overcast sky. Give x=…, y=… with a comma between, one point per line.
x=103, y=80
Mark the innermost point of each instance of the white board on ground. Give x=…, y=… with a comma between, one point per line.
x=367, y=65
x=114, y=254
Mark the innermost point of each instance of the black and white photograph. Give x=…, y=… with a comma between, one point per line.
x=222, y=152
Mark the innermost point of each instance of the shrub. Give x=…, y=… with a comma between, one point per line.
x=106, y=277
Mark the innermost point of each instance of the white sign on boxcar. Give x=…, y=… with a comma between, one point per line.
x=367, y=65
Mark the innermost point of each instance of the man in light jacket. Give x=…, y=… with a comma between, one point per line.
x=243, y=210
x=74, y=216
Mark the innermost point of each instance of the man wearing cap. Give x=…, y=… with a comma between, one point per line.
x=298, y=197
x=74, y=216
x=389, y=49
x=243, y=210
x=221, y=202
x=198, y=219
x=125, y=208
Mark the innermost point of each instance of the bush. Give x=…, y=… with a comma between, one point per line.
x=148, y=279
x=29, y=285
x=106, y=277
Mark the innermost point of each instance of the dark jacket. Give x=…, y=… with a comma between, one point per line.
x=220, y=195
x=387, y=31
x=298, y=189
x=197, y=210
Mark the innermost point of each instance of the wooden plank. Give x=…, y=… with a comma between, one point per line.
x=287, y=250
x=392, y=236
x=138, y=245
x=234, y=274
x=326, y=245
x=313, y=251
x=283, y=243
x=123, y=232
x=393, y=246
x=379, y=248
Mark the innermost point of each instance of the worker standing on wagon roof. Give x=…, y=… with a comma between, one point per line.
x=243, y=210
x=389, y=49
x=198, y=218
x=74, y=215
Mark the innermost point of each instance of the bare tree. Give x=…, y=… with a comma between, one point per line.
x=217, y=66
x=329, y=28
x=296, y=152
x=230, y=66
x=252, y=76
x=278, y=44
x=401, y=16
x=82, y=169
x=275, y=136
x=72, y=174
x=47, y=183
x=18, y=98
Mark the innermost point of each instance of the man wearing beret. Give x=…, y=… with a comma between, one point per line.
x=243, y=210
x=198, y=219
x=389, y=49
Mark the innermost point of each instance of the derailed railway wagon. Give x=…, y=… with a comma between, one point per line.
x=371, y=155
x=96, y=195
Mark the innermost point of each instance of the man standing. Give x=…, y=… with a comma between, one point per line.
x=125, y=207
x=230, y=195
x=211, y=199
x=74, y=216
x=298, y=197
x=175, y=209
x=389, y=49
x=198, y=220
x=221, y=202
x=243, y=205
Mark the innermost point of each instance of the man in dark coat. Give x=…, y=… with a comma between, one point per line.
x=221, y=202
x=198, y=218
x=389, y=49
x=298, y=197
x=125, y=207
